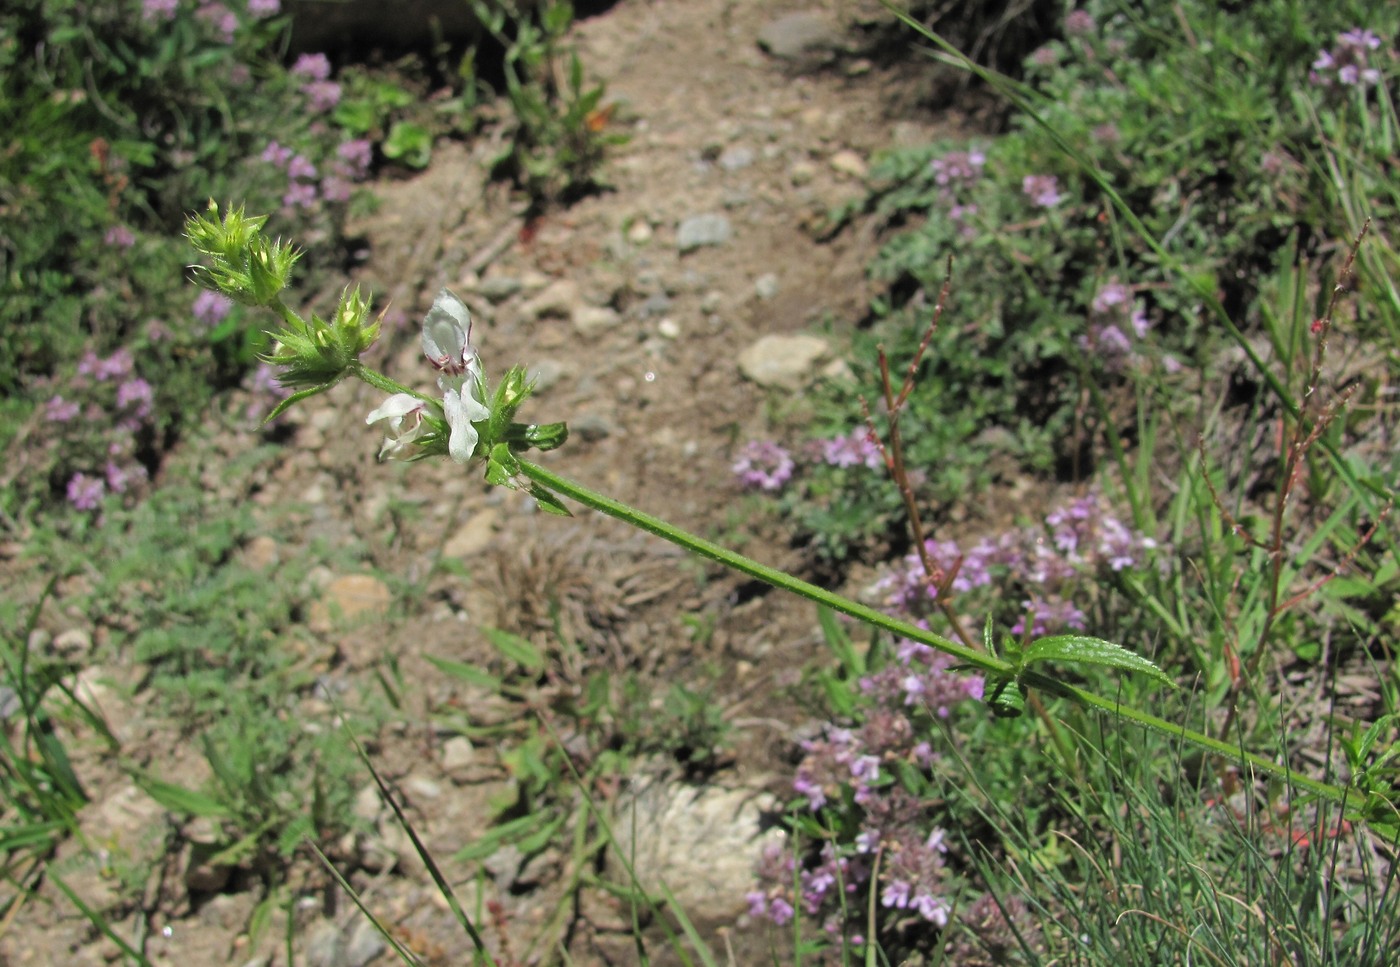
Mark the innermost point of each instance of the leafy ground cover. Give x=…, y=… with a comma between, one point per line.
x=1154, y=408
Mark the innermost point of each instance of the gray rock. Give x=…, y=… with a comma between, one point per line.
x=498, y=288
x=595, y=320
x=701, y=842
x=736, y=157
x=558, y=299
x=547, y=372
x=701, y=230
x=766, y=286
x=783, y=362
x=799, y=35
x=656, y=304
x=591, y=428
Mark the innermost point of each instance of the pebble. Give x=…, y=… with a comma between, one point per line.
x=498, y=288
x=801, y=173
x=766, y=286
x=458, y=753
x=848, y=162
x=474, y=536
x=346, y=598
x=701, y=230
x=668, y=328
x=557, y=299
x=547, y=372
x=799, y=35
x=595, y=320
x=782, y=362
x=639, y=232
x=736, y=157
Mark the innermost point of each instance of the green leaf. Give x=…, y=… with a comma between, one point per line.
x=466, y=673
x=516, y=649
x=548, y=502
x=178, y=799
x=1007, y=699
x=1084, y=650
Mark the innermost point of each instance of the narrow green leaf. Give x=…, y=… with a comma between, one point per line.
x=1084, y=650
x=516, y=649
x=466, y=673
x=179, y=799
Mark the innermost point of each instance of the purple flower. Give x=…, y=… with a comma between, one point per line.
x=119, y=478
x=119, y=236
x=1112, y=295
x=299, y=194
x=85, y=492
x=764, y=465
x=316, y=67
x=1349, y=63
x=59, y=410
x=958, y=168
x=211, y=307
x=301, y=168
x=855, y=448
x=1042, y=190
x=163, y=10
x=357, y=154
x=264, y=8
x=136, y=395
x=116, y=366
x=277, y=155
x=323, y=95
x=1078, y=23
x=221, y=18
x=335, y=189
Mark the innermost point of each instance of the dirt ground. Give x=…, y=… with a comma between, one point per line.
x=636, y=345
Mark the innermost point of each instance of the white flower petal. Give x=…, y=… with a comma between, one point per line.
x=394, y=409
x=447, y=334
x=461, y=409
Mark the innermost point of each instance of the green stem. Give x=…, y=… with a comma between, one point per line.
x=988, y=663
x=769, y=575
x=380, y=381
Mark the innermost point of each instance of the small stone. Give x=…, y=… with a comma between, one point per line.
x=458, y=753
x=557, y=300
x=701, y=230
x=711, y=301
x=782, y=362
x=848, y=162
x=367, y=804
x=594, y=320
x=736, y=157
x=202, y=875
x=639, y=232
x=346, y=598
x=801, y=173
x=656, y=304
x=261, y=553
x=668, y=328
x=363, y=945
x=799, y=35
x=498, y=288
x=547, y=373
x=474, y=536
x=72, y=643
x=422, y=787
x=766, y=286
x=591, y=428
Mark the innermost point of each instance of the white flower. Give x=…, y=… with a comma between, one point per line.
x=405, y=416
x=447, y=337
x=462, y=408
